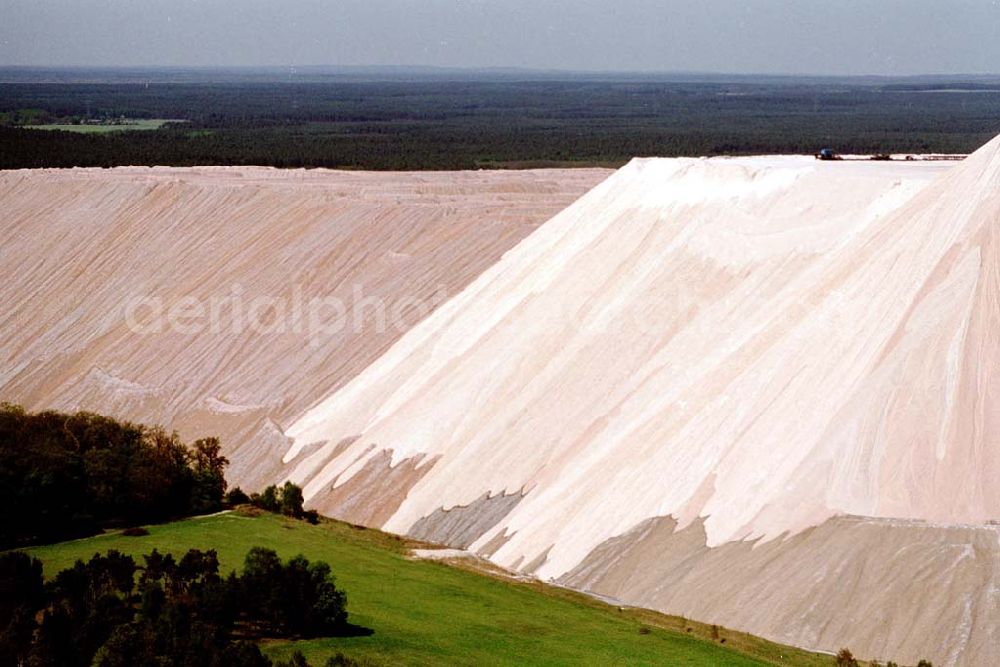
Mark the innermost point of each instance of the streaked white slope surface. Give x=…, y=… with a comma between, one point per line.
x=755, y=344
x=76, y=245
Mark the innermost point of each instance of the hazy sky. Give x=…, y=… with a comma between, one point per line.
x=774, y=36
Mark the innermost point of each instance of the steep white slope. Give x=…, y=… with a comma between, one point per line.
x=78, y=245
x=753, y=346
x=685, y=340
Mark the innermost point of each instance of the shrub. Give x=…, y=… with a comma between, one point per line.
x=846, y=659
x=236, y=496
x=297, y=660
x=268, y=500
x=287, y=500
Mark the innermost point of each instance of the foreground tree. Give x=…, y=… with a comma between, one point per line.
x=296, y=598
x=22, y=594
x=64, y=476
x=209, y=476
x=176, y=613
x=291, y=500
x=287, y=500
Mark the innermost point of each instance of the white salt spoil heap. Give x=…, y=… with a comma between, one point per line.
x=746, y=347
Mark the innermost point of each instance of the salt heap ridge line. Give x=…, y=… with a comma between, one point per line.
x=817, y=341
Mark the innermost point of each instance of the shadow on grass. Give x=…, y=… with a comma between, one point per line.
x=351, y=630
x=251, y=633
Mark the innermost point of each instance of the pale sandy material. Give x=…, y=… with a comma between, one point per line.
x=76, y=244
x=463, y=526
x=657, y=333
x=441, y=554
x=759, y=344
x=889, y=589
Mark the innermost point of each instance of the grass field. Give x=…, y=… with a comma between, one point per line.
x=132, y=125
x=431, y=613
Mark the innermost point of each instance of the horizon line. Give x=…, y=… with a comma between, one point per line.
x=496, y=69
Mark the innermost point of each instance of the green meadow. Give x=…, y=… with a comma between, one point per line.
x=431, y=613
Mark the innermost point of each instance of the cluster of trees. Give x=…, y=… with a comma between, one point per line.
x=462, y=125
x=67, y=475
x=174, y=613
x=286, y=499
x=26, y=117
x=845, y=658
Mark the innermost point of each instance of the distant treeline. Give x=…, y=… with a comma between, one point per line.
x=68, y=475
x=111, y=612
x=461, y=125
